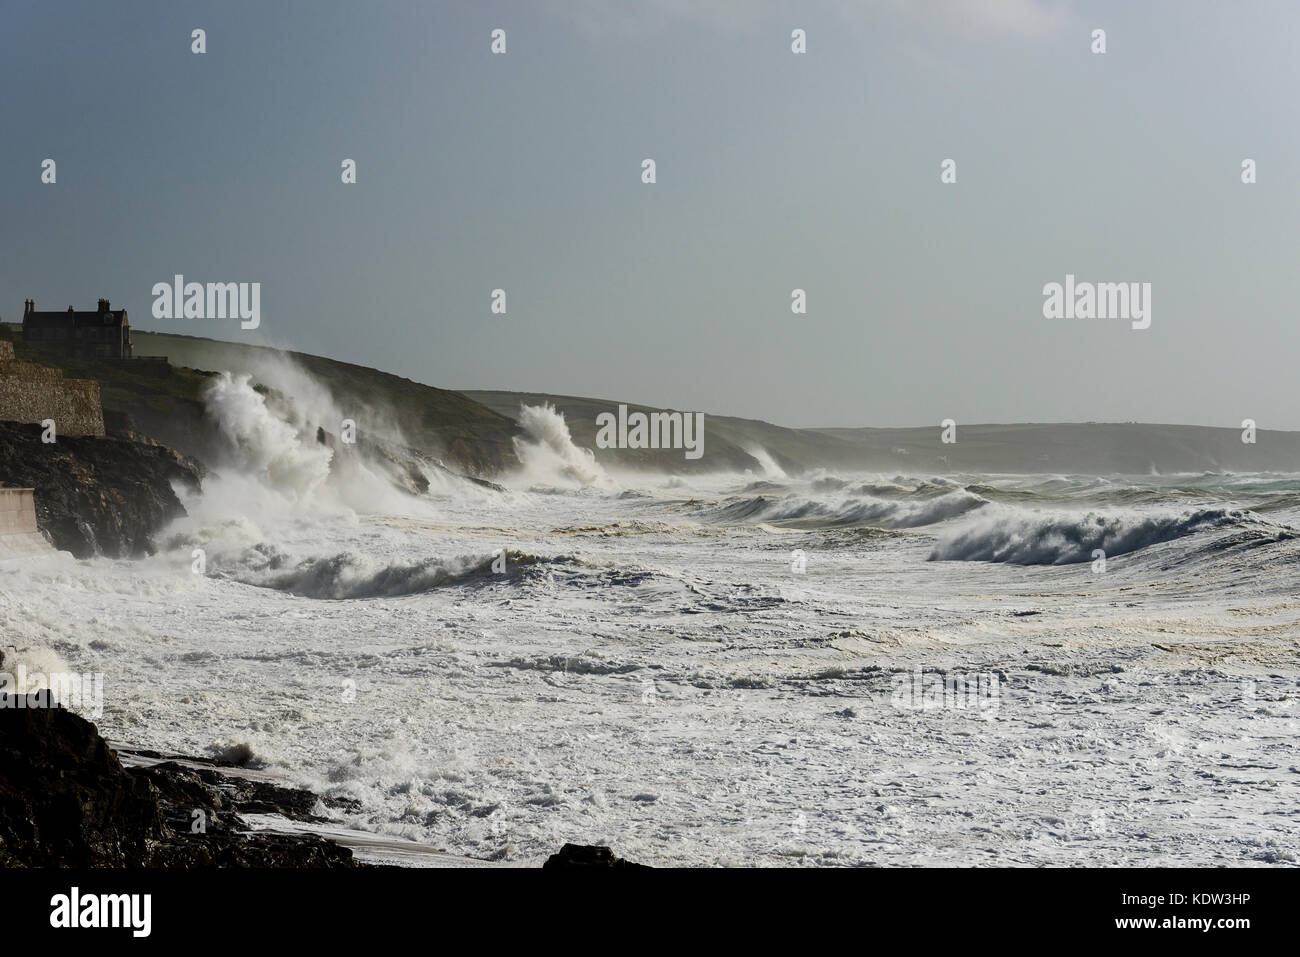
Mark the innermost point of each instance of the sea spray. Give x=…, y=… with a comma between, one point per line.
x=1020, y=537
x=263, y=445
x=547, y=453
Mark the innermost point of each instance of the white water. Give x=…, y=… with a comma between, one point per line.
x=651, y=674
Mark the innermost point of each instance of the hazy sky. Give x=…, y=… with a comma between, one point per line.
x=775, y=171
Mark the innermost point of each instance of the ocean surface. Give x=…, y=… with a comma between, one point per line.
x=830, y=669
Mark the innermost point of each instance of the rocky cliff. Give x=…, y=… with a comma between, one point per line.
x=96, y=496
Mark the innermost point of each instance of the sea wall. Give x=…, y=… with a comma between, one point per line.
x=18, y=532
x=31, y=393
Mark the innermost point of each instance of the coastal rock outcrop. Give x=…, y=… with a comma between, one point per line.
x=96, y=496
x=67, y=801
x=588, y=856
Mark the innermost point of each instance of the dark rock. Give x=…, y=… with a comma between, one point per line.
x=67, y=801
x=117, y=423
x=588, y=856
x=96, y=496
x=183, y=786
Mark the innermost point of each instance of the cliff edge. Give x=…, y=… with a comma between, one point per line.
x=96, y=496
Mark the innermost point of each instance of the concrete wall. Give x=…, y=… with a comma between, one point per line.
x=33, y=393
x=18, y=533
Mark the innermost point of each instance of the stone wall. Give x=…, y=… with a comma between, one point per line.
x=32, y=393
x=18, y=533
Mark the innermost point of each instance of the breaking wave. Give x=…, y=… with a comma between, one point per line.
x=765, y=459
x=854, y=510
x=547, y=452
x=279, y=460
x=350, y=575
x=264, y=446
x=1015, y=537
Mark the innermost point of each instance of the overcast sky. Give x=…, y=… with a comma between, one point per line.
x=775, y=171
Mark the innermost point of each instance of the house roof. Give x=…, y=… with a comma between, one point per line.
x=45, y=320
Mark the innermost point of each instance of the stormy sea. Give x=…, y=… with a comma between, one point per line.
x=826, y=667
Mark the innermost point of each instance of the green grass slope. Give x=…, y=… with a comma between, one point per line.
x=1075, y=447
x=169, y=407
x=472, y=430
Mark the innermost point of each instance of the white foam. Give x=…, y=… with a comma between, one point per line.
x=548, y=454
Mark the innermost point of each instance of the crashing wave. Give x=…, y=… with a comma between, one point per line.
x=1016, y=537
x=350, y=575
x=812, y=512
x=547, y=452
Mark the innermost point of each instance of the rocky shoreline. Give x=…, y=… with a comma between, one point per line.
x=67, y=800
x=97, y=496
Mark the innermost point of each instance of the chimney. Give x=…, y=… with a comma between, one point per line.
x=29, y=305
x=103, y=306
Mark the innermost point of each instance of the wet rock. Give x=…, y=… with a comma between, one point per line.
x=589, y=856
x=67, y=801
x=96, y=496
